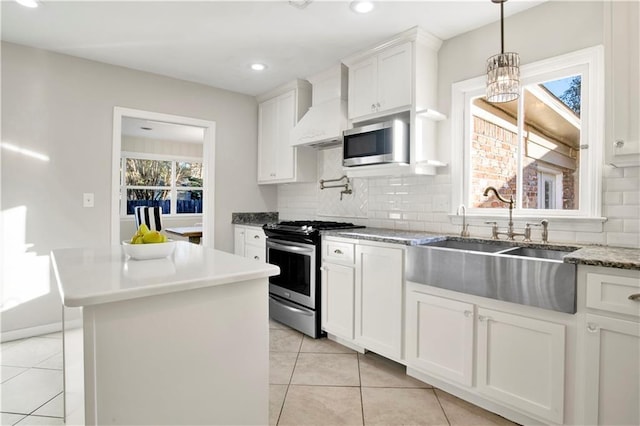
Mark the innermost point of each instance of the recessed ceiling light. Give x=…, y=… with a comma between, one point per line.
x=28, y=3
x=258, y=67
x=146, y=128
x=362, y=6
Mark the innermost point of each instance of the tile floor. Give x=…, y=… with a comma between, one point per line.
x=312, y=382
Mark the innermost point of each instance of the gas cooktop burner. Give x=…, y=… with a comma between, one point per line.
x=308, y=226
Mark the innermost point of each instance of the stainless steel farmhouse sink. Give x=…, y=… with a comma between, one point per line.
x=528, y=276
x=486, y=247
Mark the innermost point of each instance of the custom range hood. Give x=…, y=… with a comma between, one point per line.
x=323, y=124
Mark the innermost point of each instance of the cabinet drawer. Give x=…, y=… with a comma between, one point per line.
x=339, y=251
x=611, y=293
x=254, y=236
x=255, y=253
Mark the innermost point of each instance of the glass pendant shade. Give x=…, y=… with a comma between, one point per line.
x=503, y=77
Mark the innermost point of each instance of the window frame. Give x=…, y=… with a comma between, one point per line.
x=590, y=63
x=173, y=188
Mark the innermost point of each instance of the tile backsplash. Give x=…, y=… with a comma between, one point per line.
x=423, y=203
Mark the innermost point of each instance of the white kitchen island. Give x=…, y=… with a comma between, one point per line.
x=178, y=340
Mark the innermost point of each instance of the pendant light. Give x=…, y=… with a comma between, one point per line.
x=503, y=70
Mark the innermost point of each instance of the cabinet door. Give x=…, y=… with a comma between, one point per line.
x=338, y=296
x=238, y=240
x=379, y=277
x=286, y=120
x=267, y=137
x=394, y=78
x=613, y=371
x=362, y=88
x=256, y=253
x=440, y=336
x=625, y=81
x=521, y=363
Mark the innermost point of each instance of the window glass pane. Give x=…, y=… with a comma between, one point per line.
x=188, y=174
x=494, y=151
x=148, y=172
x=551, y=146
x=189, y=201
x=149, y=197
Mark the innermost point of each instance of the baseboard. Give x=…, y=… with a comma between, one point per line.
x=39, y=330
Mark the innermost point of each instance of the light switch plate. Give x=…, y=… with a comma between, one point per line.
x=87, y=199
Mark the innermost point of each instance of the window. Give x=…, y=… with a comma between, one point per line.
x=543, y=149
x=150, y=180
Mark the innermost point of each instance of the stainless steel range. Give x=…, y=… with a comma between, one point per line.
x=294, y=295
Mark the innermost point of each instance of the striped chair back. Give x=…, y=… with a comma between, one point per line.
x=150, y=216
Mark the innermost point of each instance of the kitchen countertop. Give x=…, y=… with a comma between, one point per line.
x=89, y=276
x=612, y=257
x=254, y=218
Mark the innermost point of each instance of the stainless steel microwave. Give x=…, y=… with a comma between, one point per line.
x=378, y=143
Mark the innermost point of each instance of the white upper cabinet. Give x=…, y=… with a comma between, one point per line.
x=622, y=23
x=278, y=113
x=381, y=83
x=398, y=78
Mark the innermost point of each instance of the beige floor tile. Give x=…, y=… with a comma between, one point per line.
x=281, y=367
x=326, y=369
x=7, y=373
x=460, y=412
x=30, y=390
x=398, y=406
x=377, y=371
x=276, y=325
x=53, y=408
x=284, y=340
x=276, y=400
x=10, y=419
x=30, y=352
x=321, y=405
x=39, y=420
x=323, y=345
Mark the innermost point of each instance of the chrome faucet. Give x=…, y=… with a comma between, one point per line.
x=465, y=226
x=510, y=232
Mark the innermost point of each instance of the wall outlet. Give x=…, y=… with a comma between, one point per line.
x=87, y=199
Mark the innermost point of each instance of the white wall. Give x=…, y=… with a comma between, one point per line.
x=424, y=202
x=62, y=107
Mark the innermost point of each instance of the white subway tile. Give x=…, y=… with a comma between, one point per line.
x=591, y=238
x=613, y=225
x=621, y=184
x=632, y=172
x=631, y=225
x=612, y=198
x=625, y=212
x=623, y=239
x=609, y=171
x=631, y=198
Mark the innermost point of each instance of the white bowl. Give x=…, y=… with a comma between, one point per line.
x=148, y=251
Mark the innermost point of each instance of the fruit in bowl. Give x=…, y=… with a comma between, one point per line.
x=147, y=244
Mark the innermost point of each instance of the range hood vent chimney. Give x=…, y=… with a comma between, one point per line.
x=324, y=122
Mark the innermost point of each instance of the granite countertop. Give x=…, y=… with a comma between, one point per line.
x=612, y=257
x=254, y=218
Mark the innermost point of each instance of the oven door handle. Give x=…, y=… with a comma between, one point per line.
x=289, y=248
x=290, y=307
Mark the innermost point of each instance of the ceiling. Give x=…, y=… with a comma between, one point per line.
x=214, y=42
x=158, y=130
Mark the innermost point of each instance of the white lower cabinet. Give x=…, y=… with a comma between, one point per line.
x=610, y=333
x=440, y=336
x=338, y=300
x=517, y=361
x=520, y=362
x=362, y=297
x=250, y=241
x=612, y=386
x=378, y=308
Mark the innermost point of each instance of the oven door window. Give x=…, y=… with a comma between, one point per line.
x=295, y=271
x=368, y=144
